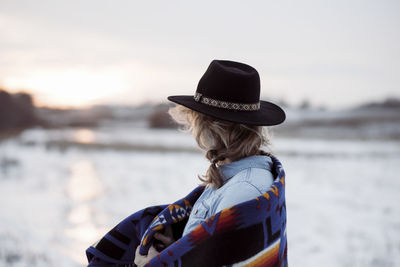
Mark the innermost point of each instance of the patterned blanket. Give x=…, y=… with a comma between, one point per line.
x=251, y=233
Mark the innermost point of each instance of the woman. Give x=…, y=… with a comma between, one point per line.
x=226, y=117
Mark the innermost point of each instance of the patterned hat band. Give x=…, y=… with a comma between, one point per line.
x=198, y=97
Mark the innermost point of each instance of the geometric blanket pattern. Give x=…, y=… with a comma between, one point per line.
x=251, y=233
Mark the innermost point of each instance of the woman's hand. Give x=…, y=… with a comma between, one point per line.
x=142, y=260
x=167, y=239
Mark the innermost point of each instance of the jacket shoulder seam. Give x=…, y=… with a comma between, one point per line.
x=254, y=186
x=247, y=182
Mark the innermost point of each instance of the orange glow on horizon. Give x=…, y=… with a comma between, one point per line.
x=68, y=89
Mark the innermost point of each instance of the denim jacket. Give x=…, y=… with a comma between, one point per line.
x=244, y=180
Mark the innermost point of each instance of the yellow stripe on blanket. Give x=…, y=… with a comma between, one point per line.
x=266, y=257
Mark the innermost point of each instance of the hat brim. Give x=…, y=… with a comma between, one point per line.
x=269, y=113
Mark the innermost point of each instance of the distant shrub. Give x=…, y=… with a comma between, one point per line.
x=305, y=104
x=390, y=103
x=16, y=110
x=160, y=118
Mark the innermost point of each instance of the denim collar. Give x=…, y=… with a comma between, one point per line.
x=256, y=161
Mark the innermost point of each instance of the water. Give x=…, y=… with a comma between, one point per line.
x=61, y=190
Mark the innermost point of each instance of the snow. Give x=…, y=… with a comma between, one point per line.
x=342, y=195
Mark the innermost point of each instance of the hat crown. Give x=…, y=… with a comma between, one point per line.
x=230, y=81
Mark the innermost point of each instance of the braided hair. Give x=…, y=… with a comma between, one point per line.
x=221, y=140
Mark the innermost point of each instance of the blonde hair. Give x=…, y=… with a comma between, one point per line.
x=220, y=139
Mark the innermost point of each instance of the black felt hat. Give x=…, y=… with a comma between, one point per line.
x=230, y=91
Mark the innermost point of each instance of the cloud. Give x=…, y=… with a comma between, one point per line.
x=305, y=49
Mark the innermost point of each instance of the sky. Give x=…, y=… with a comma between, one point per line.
x=335, y=54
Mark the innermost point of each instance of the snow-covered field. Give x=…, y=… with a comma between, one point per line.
x=61, y=190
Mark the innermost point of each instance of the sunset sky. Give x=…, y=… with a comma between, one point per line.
x=77, y=53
